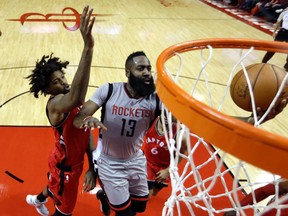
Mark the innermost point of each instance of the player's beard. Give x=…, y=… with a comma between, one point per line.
x=140, y=87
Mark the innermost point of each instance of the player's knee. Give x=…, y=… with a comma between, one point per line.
x=123, y=209
x=125, y=212
x=155, y=191
x=139, y=205
x=58, y=213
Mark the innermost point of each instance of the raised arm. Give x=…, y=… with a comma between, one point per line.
x=81, y=79
x=76, y=96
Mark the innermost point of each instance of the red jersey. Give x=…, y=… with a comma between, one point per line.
x=66, y=162
x=155, y=147
x=261, y=194
x=71, y=143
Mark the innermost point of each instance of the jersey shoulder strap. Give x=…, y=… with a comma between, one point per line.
x=157, y=110
x=110, y=90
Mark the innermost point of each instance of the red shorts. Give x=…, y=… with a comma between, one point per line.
x=152, y=172
x=64, y=190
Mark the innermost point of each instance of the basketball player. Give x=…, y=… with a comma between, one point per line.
x=66, y=158
x=100, y=195
x=263, y=193
x=127, y=114
x=281, y=35
x=158, y=157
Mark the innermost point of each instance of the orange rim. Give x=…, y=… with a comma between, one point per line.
x=238, y=138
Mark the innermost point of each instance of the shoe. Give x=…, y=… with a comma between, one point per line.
x=40, y=207
x=104, y=206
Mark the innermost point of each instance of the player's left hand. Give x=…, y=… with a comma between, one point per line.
x=272, y=114
x=162, y=175
x=90, y=122
x=89, y=180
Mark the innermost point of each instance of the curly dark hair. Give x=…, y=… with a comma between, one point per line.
x=41, y=74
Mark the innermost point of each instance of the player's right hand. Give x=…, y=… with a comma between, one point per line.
x=86, y=26
x=272, y=114
x=91, y=123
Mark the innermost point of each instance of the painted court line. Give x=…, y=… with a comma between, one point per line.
x=242, y=15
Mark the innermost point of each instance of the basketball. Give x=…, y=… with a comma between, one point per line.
x=265, y=81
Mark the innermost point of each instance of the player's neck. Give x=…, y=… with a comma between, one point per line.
x=131, y=91
x=159, y=126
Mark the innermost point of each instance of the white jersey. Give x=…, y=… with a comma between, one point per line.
x=126, y=119
x=284, y=17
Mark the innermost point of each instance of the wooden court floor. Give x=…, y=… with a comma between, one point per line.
x=31, y=29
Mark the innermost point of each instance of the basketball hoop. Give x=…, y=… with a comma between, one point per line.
x=219, y=134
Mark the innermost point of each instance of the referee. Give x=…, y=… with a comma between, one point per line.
x=281, y=35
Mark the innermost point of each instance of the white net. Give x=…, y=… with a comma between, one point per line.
x=209, y=181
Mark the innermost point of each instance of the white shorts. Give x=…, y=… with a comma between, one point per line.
x=121, y=178
x=96, y=153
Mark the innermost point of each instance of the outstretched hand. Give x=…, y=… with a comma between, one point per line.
x=86, y=26
x=272, y=114
x=91, y=123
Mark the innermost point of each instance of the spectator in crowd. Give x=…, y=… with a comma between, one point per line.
x=270, y=11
